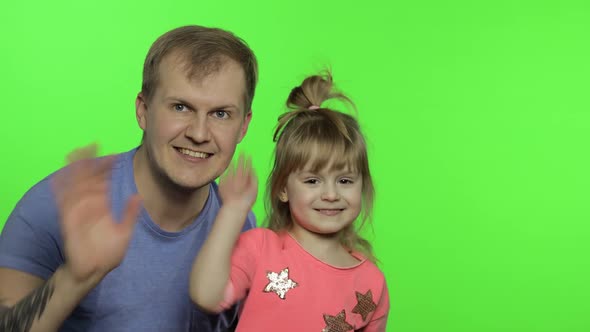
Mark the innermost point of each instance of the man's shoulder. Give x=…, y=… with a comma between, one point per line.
x=40, y=198
x=124, y=159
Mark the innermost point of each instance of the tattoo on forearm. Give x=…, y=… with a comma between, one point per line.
x=20, y=317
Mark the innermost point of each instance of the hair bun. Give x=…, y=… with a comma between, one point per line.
x=312, y=92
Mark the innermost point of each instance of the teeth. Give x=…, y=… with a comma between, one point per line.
x=194, y=154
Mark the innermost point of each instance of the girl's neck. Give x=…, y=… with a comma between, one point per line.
x=325, y=247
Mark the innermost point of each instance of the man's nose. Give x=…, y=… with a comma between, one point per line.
x=198, y=129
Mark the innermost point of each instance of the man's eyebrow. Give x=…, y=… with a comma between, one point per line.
x=186, y=102
x=228, y=106
x=179, y=101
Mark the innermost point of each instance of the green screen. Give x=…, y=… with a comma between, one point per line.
x=476, y=112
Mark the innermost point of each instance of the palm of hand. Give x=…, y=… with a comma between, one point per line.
x=94, y=242
x=239, y=186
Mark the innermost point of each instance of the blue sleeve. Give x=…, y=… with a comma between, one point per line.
x=250, y=222
x=30, y=241
x=228, y=320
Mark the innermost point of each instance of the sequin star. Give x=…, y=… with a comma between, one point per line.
x=337, y=323
x=279, y=283
x=364, y=304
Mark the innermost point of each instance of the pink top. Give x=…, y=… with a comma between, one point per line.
x=290, y=290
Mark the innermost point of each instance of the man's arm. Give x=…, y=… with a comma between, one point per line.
x=28, y=303
x=94, y=244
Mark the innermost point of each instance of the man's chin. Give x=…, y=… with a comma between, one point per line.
x=189, y=186
x=184, y=185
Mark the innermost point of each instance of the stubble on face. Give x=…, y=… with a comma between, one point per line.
x=170, y=130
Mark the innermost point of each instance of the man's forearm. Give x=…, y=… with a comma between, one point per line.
x=21, y=316
x=45, y=308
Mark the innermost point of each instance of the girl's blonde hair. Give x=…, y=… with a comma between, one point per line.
x=322, y=136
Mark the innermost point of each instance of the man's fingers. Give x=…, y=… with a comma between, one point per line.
x=80, y=178
x=86, y=152
x=82, y=190
x=86, y=172
x=89, y=171
x=131, y=212
x=105, y=164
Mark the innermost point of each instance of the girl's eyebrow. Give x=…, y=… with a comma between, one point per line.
x=350, y=174
x=343, y=172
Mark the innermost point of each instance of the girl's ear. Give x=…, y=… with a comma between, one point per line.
x=283, y=197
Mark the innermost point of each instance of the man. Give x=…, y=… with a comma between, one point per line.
x=78, y=253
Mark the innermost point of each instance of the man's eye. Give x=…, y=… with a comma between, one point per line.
x=221, y=114
x=179, y=107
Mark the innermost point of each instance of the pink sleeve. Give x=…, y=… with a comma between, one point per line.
x=379, y=320
x=244, y=261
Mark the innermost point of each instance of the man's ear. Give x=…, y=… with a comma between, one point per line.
x=245, y=125
x=141, y=111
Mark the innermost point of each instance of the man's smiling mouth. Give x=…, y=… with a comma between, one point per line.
x=194, y=154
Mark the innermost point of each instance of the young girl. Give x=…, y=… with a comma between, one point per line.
x=310, y=270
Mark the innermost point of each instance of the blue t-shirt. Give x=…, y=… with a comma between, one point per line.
x=148, y=291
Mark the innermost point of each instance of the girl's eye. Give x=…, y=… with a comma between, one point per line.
x=221, y=114
x=311, y=181
x=346, y=181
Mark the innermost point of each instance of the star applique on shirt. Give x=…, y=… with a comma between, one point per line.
x=337, y=323
x=365, y=304
x=279, y=283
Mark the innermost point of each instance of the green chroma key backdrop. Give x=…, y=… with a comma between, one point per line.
x=476, y=112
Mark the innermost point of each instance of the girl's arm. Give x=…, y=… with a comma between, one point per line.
x=378, y=322
x=211, y=270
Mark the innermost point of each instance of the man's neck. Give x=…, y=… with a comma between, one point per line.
x=168, y=206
